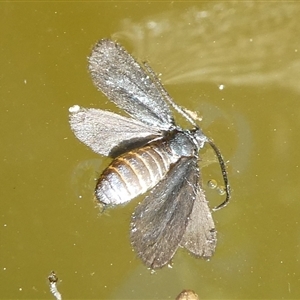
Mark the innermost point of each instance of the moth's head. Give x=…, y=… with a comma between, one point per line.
x=199, y=137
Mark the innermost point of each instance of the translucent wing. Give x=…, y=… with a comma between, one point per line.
x=115, y=72
x=200, y=237
x=108, y=133
x=160, y=221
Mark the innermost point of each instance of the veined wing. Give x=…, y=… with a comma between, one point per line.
x=108, y=133
x=200, y=237
x=160, y=221
x=126, y=83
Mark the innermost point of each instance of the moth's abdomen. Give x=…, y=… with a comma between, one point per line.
x=133, y=173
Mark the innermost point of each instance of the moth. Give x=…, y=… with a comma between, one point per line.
x=150, y=152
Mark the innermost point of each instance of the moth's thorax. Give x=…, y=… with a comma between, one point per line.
x=187, y=142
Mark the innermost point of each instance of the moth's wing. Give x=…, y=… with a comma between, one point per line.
x=200, y=237
x=126, y=83
x=108, y=133
x=159, y=222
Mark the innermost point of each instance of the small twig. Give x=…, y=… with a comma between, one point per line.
x=53, y=288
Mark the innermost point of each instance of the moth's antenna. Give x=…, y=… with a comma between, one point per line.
x=224, y=174
x=167, y=96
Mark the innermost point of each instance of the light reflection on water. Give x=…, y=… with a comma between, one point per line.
x=236, y=43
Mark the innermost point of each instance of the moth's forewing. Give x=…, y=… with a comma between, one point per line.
x=126, y=83
x=159, y=222
x=107, y=133
x=200, y=237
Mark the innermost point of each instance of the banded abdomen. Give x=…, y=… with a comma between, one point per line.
x=134, y=172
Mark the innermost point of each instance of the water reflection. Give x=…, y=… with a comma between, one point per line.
x=237, y=43
x=84, y=177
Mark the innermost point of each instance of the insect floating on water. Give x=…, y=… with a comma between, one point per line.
x=151, y=153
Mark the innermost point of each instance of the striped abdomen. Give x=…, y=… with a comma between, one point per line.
x=134, y=172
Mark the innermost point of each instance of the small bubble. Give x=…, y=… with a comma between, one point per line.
x=221, y=190
x=212, y=184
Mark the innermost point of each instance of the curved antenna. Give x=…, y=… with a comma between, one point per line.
x=224, y=174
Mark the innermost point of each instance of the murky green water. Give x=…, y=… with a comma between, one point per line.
x=48, y=220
